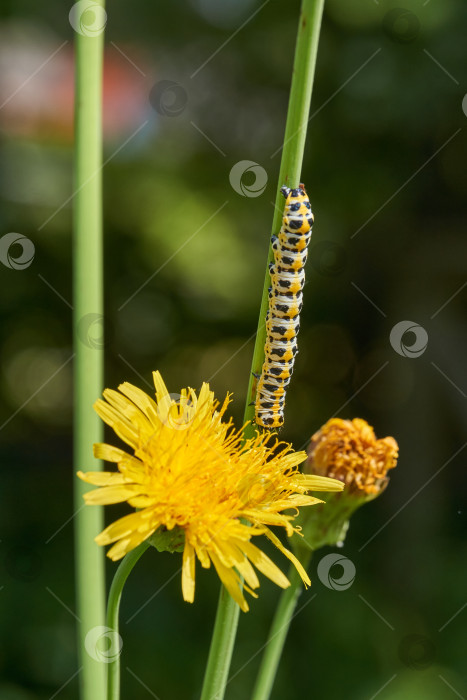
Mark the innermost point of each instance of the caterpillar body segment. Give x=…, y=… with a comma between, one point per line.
x=293, y=242
x=285, y=303
x=288, y=259
x=286, y=280
x=285, y=306
x=282, y=329
x=280, y=351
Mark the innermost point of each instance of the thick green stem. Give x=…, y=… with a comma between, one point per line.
x=278, y=633
x=222, y=643
x=113, y=608
x=291, y=163
x=88, y=368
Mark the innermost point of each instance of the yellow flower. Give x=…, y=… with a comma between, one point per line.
x=349, y=451
x=191, y=472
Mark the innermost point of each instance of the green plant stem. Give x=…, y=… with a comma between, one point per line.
x=88, y=366
x=278, y=633
x=113, y=607
x=291, y=162
x=222, y=644
x=225, y=628
x=292, y=158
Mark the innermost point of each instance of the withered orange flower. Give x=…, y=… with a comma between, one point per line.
x=348, y=450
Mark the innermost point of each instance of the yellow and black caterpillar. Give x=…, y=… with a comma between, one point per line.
x=285, y=303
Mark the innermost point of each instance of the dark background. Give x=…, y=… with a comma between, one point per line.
x=385, y=160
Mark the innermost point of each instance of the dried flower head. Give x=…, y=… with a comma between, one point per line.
x=349, y=451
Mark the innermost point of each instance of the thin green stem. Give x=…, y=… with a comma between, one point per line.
x=291, y=165
x=222, y=643
x=88, y=368
x=291, y=162
x=292, y=157
x=277, y=635
x=113, y=608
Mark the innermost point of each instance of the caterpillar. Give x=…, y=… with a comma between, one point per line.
x=285, y=303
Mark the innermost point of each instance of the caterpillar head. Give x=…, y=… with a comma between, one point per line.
x=294, y=193
x=299, y=191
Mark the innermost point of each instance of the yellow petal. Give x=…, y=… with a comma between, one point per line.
x=102, y=478
x=250, y=591
x=188, y=573
x=295, y=501
x=245, y=569
x=127, y=464
x=142, y=501
x=231, y=551
x=144, y=402
x=203, y=556
x=122, y=427
x=266, y=517
x=109, y=453
x=275, y=540
x=129, y=412
x=161, y=389
x=260, y=516
x=205, y=400
x=119, y=550
x=231, y=581
x=112, y=494
x=126, y=545
x=135, y=522
x=264, y=564
x=321, y=483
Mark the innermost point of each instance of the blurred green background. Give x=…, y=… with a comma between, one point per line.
x=185, y=255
